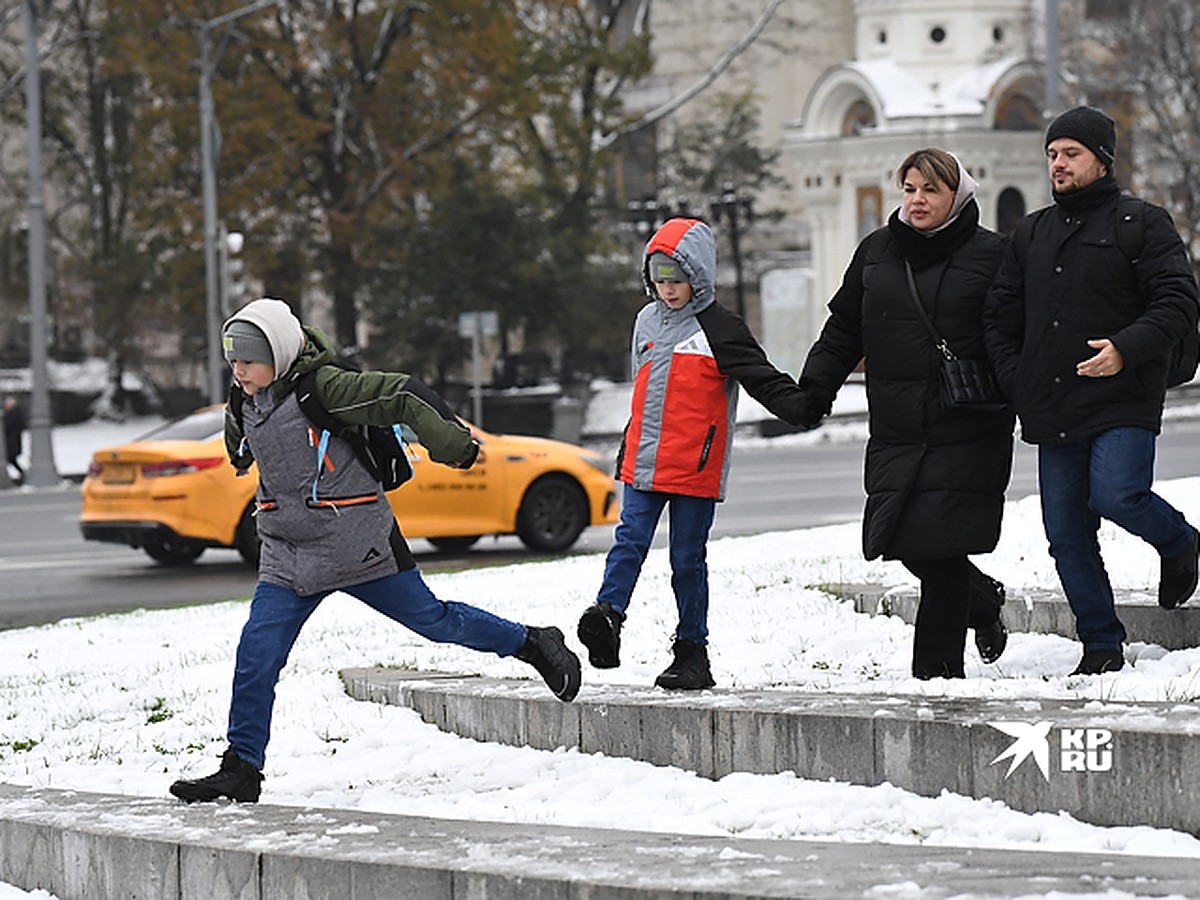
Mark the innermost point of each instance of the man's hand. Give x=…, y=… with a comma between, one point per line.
x=1106, y=363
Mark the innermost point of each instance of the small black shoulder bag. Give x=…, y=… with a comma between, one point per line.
x=966, y=383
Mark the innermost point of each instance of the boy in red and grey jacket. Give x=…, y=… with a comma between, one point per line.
x=689, y=355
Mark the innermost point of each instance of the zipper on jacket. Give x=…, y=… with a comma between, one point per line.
x=708, y=442
x=336, y=503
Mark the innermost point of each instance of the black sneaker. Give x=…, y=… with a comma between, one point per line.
x=236, y=780
x=1179, y=575
x=546, y=651
x=600, y=631
x=689, y=671
x=1097, y=662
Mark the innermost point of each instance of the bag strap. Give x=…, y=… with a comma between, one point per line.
x=938, y=340
x=1131, y=226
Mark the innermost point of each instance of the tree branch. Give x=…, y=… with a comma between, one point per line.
x=661, y=112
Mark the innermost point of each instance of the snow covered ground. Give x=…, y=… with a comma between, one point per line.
x=127, y=703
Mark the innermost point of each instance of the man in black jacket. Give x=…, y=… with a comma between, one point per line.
x=1079, y=335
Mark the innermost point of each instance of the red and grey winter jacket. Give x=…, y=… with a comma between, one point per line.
x=687, y=365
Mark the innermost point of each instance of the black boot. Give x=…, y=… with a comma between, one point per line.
x=600, y=631
x=236, y=779
x=987, y=599
x=1179, y=575
x=689, y=671
x=1097, y=662
x=546, y=651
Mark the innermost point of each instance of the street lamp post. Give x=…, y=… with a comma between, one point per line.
x=738, y=210
x=41, y=458
x=210, y=151
x=647, y=214
x=644, y=216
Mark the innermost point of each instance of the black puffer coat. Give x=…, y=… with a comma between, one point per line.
x=935, y=476
x=1076, y=284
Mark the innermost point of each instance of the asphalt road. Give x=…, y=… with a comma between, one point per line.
x=48, y=572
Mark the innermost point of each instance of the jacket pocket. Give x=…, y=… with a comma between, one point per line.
x=341, y=502
x=707, y=448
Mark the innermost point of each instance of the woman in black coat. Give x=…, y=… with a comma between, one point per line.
x=935, y=474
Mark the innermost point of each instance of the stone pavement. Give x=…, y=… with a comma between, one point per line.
x=1102, y=762
x=1047, y=612
x=82, y=846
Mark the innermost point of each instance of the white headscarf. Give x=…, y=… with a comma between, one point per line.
x=966, y=190
x=283, y=330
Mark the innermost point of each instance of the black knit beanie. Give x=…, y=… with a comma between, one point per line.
x=1094, y=129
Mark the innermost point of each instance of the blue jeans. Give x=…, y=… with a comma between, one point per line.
x=278, y=613
x=691, y=520
x=1108, y=476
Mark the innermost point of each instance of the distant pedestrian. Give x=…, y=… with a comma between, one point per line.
x=14, y=430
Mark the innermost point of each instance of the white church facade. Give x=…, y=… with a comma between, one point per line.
x=959, y=75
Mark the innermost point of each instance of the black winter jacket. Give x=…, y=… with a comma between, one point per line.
x=935, y=476
x=1076, y=284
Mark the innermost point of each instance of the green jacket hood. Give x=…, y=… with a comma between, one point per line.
x=318, y=350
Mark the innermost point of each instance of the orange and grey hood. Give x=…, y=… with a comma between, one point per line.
x=690, y=243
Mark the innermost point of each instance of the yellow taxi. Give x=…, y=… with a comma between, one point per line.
x=173, y=493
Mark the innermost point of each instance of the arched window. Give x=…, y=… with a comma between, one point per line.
x=859, y=117
x=1010, y=209
x=1016, y=112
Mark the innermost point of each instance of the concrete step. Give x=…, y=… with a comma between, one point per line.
x=1047, y=612
x=81, y=846
x=1104, y=763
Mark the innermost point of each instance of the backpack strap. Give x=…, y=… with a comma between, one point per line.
x=1131, y=226
x=380, y=449
x=318, y=415
x=314, y=411
x=237, y=399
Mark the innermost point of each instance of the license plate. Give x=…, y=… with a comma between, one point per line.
x=119, y=473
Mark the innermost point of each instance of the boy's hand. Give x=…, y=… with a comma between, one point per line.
x=469, y=460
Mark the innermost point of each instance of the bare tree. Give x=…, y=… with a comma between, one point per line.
x=1142, y=61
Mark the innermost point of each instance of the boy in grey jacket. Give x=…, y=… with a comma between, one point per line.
x=326, y=525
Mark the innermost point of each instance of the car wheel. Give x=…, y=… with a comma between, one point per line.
x=173, y=553
x=553, y=514
x=456, y=544
x=246, y=540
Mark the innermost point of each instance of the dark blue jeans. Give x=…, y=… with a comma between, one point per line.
x=691, y=519
x=1108, y=476
x=278, y=613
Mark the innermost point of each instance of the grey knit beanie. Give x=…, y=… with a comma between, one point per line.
x=245, y=341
